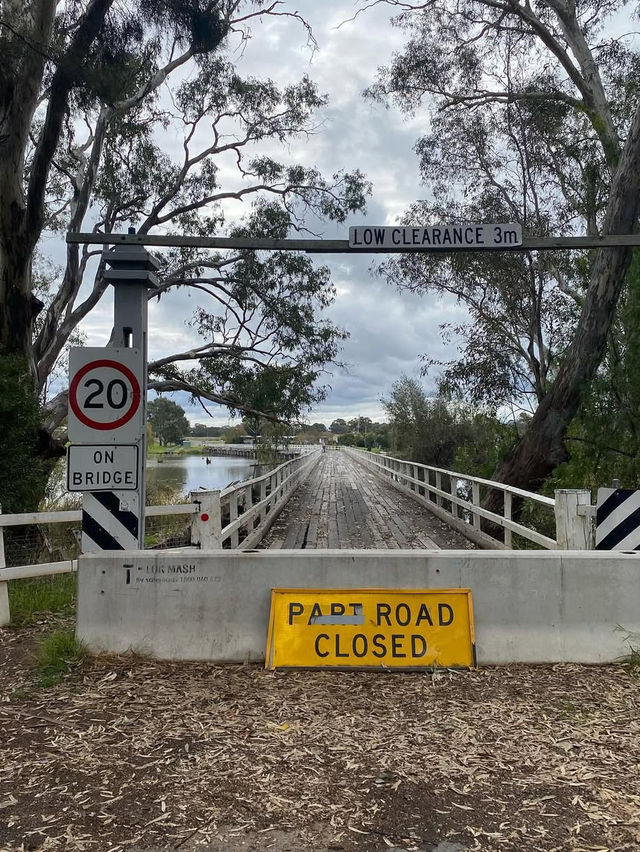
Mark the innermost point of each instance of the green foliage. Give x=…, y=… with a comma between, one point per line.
x=234, y=434
x=377, y=436
x=439, y=432
x=422, y=429
x=348, y=439
x=485, y=442
x=277, y=301
x=29, y=599
x=604, y=438
x=22, y=473
x=202, y=430
x=168, y=420
x=57, y=655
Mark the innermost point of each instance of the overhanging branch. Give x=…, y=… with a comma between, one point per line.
x=168, y=385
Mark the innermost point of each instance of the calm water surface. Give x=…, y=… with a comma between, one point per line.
x=183, y=474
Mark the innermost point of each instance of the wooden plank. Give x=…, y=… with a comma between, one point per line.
x=5, y=614
x=344, y=504
x=45, y=569
x=374, y=492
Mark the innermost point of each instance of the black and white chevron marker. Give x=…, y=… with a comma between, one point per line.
x=110, y=521
x=618, y=519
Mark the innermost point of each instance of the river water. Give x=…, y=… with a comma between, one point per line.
x=182, y=474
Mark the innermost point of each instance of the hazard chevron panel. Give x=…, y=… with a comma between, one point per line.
x=107, y=524
x=618, y=519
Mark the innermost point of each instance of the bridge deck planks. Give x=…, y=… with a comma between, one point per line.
x=343, y=505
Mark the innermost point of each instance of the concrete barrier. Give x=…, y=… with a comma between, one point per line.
x=529, y=607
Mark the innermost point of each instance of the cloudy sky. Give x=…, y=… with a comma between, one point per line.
x=388, y=331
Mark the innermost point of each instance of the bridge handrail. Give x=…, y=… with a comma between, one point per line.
x=491, y=483
x=422, y=489
x=250, y=506
x=22, y=519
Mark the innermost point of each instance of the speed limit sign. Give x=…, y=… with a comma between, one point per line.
x=105, y=395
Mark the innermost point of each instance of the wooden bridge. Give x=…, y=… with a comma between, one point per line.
x=359, y=500
x=343, y=504
x=343, y=499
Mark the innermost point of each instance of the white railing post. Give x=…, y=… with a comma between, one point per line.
x=248, y=505
x=574, y=528
x=461, y=505
x=5, y=614
x=263, y=496
x=508, y=508
x=206, y=525
x=475, y=499
x=233, y=515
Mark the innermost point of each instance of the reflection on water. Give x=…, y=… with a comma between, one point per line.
x=182, y=474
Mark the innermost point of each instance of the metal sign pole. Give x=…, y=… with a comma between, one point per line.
x=131, y=273
x=107, y=412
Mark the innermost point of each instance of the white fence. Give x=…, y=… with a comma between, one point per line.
x=237, y=517
x=570, y=512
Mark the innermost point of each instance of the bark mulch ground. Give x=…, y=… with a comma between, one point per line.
x=126, y=753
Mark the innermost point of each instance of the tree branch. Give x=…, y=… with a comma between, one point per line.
x=168, y=385
x=64, y=77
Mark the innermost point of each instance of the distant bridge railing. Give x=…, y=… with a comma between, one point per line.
x=249, y=450
x=456, y=498
x=236, y=517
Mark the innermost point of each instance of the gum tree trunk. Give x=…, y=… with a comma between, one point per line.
x=542, y=447
x=21, y=71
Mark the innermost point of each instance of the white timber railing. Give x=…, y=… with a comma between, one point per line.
x=244, y=449
x=441, y=491
x=236, y=517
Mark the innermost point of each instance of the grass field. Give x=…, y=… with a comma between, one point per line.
x=174, y=450
x=30, y=598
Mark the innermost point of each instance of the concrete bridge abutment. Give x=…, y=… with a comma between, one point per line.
x=529, y=606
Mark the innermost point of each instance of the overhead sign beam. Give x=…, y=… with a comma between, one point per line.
x=316, y=246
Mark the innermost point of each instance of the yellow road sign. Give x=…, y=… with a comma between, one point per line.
x=370, y=628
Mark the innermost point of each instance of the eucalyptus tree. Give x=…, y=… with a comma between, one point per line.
x=118, y=113
x=168, y=420
x=533, y=115
x=438, y=431
x=523, y=307
x=604, y=438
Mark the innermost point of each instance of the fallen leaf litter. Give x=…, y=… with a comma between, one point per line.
x=132, y=754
